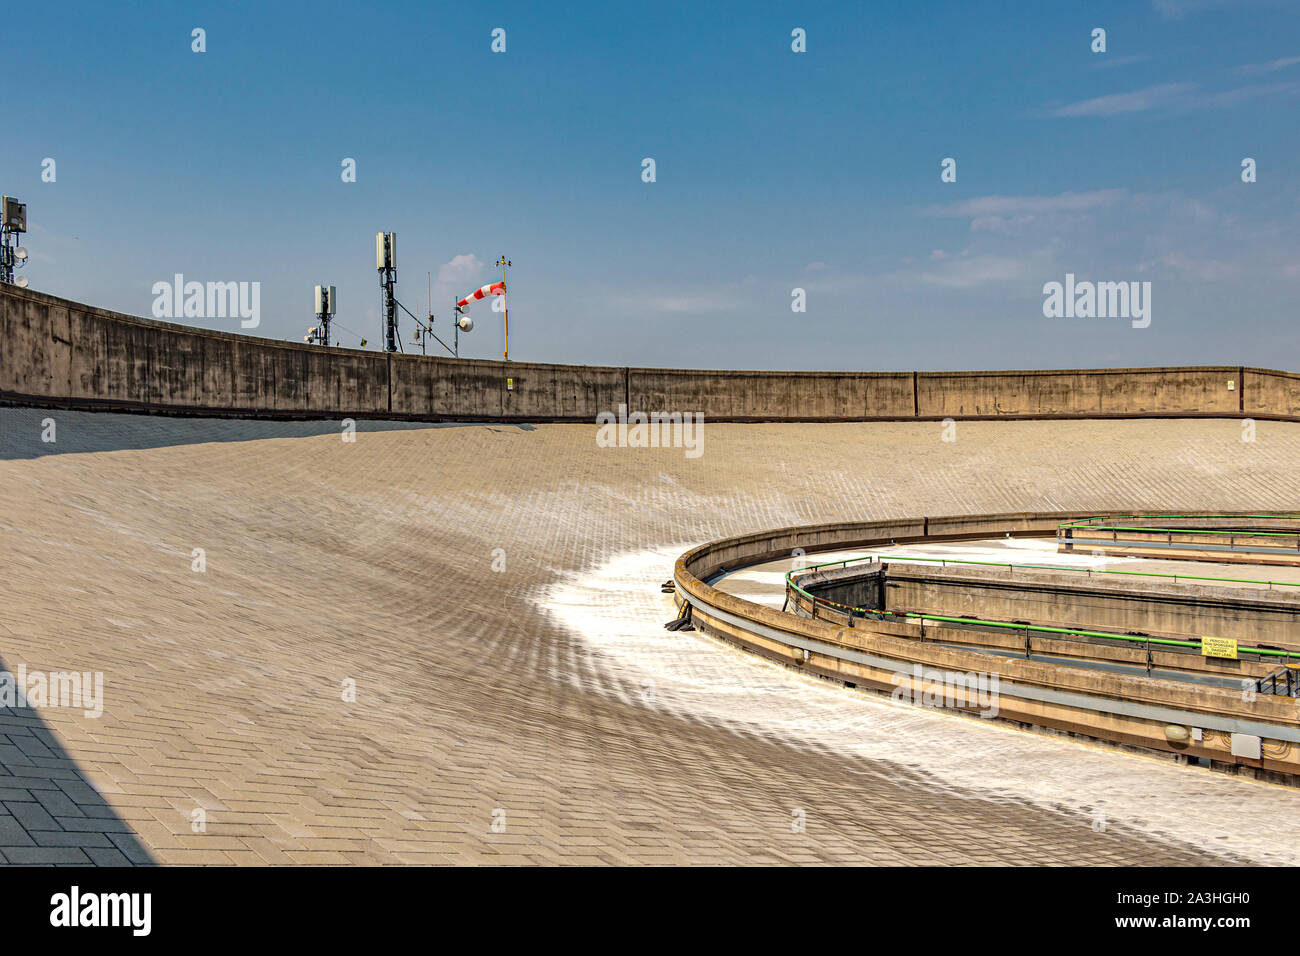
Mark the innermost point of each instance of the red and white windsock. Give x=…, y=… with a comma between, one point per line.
x=492, y=288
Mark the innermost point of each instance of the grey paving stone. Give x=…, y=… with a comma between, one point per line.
x=31, y=815
x=34, y=855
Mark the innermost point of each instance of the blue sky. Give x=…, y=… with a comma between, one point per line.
x=775, y=170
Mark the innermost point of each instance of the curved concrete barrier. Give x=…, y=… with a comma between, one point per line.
x=57, y=352
x=1214, y=724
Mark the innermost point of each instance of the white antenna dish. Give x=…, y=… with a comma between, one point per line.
x=466, y=323
x=21, y=282
x=20, y=253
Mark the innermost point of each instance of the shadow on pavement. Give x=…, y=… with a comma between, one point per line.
x=50, y=815
x=23, y=431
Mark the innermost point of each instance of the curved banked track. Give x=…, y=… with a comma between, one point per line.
x=376, y=561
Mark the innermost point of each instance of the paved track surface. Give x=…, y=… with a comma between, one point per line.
x=331, y=562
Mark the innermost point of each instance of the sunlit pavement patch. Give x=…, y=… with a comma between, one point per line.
x=617, y=610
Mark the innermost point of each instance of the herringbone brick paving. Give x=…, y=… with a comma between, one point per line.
x=372, y=562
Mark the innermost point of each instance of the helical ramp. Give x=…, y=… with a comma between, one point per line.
x=1220, y=712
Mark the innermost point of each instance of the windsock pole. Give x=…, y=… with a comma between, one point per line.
x=505, y=304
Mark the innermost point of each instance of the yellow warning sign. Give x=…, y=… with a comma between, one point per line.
x=1219, y=647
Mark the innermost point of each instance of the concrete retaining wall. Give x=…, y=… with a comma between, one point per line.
x=436, y=388
x=57, y=352
x=1270, y=394
x=768, y=396
x=68, y=353
x=1091, y=392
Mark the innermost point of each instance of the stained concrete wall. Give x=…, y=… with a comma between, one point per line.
x=428, y=387
x=759, y=396
x=57, y=352
x=1270, y=394
x=54, y=349
x=1090, y=392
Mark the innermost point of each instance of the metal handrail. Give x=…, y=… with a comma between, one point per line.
x=1292, y=682
x=1011, y=625
x=1105, y=524
x=944, y=562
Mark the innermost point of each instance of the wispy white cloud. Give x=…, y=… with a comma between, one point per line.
x=707, y=302
x=457, y=277
x=1170, y=96
x=1004, y=225
x=1004, y=206
x=1189, y=267
x=967, y=272
x=1271, y=66
x=1241, y=94
x=462, y=268
x=1177, y=9
x=696, y=299
x=1110, y=60
x=1115, y=104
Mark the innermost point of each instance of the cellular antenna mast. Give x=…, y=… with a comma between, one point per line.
x=326, y=308
x=13, y=222
x=386, y=264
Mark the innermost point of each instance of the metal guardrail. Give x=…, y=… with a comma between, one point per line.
x=1087, y=522
x=1284, y=682
x=1147, y=533
x=1086, y=636
x=944, y=562
x=1103, y=705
